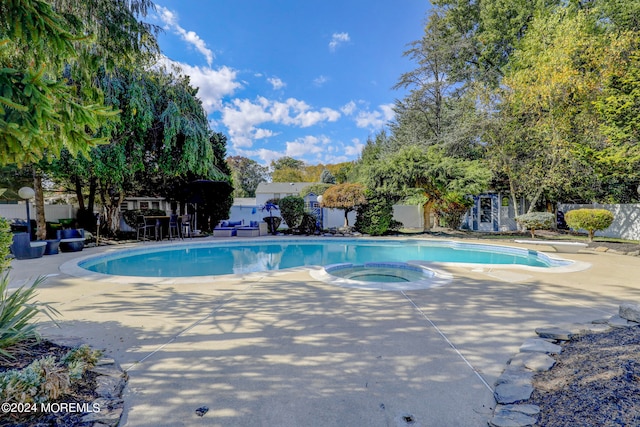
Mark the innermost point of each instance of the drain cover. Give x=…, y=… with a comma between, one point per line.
x=406, y=419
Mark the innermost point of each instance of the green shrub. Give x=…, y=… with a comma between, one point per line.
x=273, y=222
x=17, y=309
x=6, y=238
x=47, y=379
x=376, y=216
x=591, y=220
x=291, y=209
x=451, y=209
x=131, y=217
x=308, y=224
x=537, y=221
x=80, y=359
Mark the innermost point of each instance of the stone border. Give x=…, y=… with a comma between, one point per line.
x=514, y=387
x=111, y=381
x=603, y=249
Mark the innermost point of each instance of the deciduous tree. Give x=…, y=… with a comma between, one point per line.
x=344, y=196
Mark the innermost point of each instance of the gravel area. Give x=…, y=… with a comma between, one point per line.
x=595, y=382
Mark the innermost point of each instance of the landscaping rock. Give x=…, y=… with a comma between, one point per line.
x=515, y=416
x=630, y=311
x=540, y=346
x=526, y=409
x=614, y=251
x=590, y=328
x=515, y=375
x=618, y=322
x=554, y=333
x=110, y=412
x=510, y=393
x=537, y=362
x=108, y=386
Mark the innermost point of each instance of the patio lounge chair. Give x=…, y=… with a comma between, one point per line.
x=253, y=230
x=23, y=248
x=227, y=228
x=71, y=239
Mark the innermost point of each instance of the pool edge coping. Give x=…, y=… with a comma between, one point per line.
x=73, y=269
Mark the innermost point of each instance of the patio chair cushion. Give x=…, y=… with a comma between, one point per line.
x=71, y=239
x=23, y=248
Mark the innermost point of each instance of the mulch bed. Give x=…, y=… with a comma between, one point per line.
x=82, y=390
x=595, y=382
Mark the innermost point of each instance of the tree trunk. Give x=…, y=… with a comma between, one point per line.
x=346, y=218
x=41, y=233
x=426, y=215
x=79, y=195
x=93, y=186
x=111, y=206
x=535, y=200
x=514, y=198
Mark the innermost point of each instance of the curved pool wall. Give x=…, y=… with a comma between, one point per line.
x=402, y=276
x=265, y=255
x=382, y=272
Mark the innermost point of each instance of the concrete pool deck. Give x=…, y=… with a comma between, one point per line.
x=283, y=349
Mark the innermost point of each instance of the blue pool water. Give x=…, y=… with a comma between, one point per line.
x=217, y=258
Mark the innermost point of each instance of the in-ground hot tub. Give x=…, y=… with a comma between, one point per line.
x=387, y=276
x=384, y=272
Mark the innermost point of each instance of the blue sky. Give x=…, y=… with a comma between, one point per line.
x=307, y=79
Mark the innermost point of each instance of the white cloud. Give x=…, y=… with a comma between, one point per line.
x=212, y=84
x=263, y=133
x=375, y=119
x=276, y=83
x=320, y=81
x=313, y=149
x=268, y=155
x=307, y=145
x=242, y=118
x=355, y=149
x=337, y=39
x=170, y=19
x=349, y=108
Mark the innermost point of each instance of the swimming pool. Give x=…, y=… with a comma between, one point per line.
x=240, y=257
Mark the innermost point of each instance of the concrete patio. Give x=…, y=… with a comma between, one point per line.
x=283, y=349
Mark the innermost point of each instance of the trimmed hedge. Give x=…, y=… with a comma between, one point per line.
x=452, y=208
x=537, y=221
x=291, y=209
x=591, y=220
x=376, y=216
x=131, y=216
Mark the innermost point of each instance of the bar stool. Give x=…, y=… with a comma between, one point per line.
x=186, y=225
x=142, y=226
x=174, y=226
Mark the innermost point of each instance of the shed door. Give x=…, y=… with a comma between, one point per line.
x=485, y=213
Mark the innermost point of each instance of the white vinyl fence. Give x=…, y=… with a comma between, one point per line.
x=626, y=219
x=410, y=216
x=52, y=213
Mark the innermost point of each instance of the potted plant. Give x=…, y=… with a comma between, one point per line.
x=272, y=221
